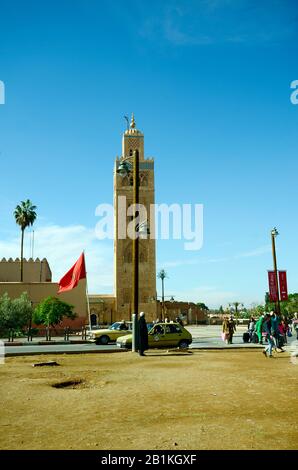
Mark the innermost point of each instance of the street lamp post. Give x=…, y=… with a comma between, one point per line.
x=274, y=233
x=135, y=250
x=162, y=275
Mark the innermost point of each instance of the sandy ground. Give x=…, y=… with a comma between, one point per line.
x=167, y=400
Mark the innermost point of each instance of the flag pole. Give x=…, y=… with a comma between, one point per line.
x=87, y=296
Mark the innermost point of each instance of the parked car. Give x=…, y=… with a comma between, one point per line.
x=161, y=335
x=107, y=335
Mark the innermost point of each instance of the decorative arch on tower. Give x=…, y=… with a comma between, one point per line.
x=143, y=179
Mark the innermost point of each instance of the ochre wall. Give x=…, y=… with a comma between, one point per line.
x=34, y=270
x=38, y=291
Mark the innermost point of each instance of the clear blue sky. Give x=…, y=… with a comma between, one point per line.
x=209, y=83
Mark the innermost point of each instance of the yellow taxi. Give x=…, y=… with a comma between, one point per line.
x=162, y=335
x=107, y=335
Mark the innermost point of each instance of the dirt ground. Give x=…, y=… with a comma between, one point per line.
x=196, y=400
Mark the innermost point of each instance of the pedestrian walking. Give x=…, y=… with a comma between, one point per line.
x=277, y=339
x=282, y=330
x=267, y=324
x=259, y=328
x=232, y=329
x=143, y=335
x=295, y=323
x=251, y=328
x=225, y=330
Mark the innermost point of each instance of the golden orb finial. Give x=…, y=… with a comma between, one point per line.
x=132, y=122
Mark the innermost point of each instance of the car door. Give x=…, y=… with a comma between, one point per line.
x=156, y=337
x=173, y=335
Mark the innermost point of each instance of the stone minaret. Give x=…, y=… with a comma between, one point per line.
x=134, y=139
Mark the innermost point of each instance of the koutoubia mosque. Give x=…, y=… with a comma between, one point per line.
x=117, y=306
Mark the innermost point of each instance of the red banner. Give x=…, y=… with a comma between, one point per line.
x=272, y=286
x=283, y=288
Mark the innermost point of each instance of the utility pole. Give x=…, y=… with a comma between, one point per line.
x=274, y=233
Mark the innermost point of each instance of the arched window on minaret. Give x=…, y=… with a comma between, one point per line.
x=125, y=181
x=143, y=179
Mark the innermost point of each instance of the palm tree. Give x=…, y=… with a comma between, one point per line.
x=25, y=216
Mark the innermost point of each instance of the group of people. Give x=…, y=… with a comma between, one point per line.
x=275, y=329
x=270, y=328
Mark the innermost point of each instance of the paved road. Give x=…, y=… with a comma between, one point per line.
x=204, y=337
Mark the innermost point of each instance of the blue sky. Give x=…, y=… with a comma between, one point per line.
x=209, y=83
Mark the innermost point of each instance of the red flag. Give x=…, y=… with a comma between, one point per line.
x=272, y=286
x=71, y=278
x=283, y=288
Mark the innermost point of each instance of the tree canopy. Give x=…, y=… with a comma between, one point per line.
x=287, y=307
x=202, y=306
x=15, y=313
x=25, y=214
x=51, y=311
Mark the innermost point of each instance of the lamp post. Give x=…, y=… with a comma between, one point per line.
x=162, y=275
x=274, y=234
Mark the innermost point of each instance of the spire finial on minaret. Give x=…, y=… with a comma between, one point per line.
x=132, y=122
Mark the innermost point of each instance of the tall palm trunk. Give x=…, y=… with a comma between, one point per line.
x=22, y=250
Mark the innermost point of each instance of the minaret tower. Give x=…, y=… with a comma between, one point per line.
x=133, y=139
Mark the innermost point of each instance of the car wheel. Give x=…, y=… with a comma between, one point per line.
x=103, y=340
x=183, y=344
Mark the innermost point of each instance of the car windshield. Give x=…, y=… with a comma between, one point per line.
x=115, y=326
x=120, y=326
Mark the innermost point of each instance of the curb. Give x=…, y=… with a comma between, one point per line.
x=45, y=343
x=38, y=353
x=220, y=348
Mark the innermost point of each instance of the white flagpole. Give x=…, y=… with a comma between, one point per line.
x=87, y=296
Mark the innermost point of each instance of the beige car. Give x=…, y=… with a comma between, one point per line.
x=107, y=335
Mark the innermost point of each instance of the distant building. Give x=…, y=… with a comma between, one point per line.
x=188, y=311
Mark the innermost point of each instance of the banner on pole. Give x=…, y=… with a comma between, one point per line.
x=272, y=286
x=283, y=288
